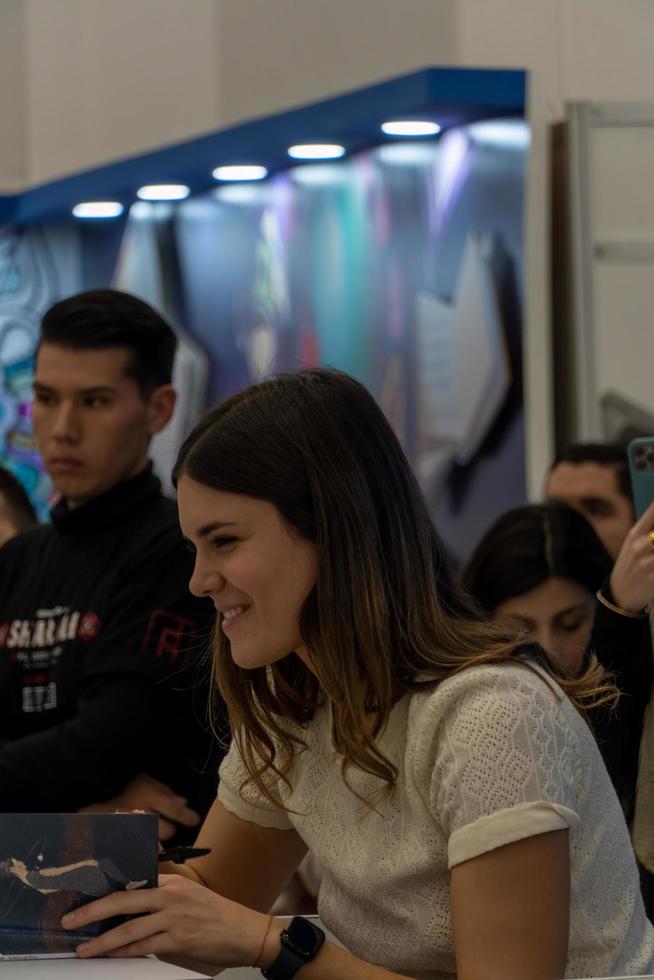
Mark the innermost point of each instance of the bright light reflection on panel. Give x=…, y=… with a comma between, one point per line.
x=316, y=151
x=200, y=208
x=163, y=192
x=453, y=167
x=98, y=209
x=240, y=172
x=242, y=194
x=407, y=154
x=151, y=211
x=410, y=127
x=512, y=133
x=320, y=174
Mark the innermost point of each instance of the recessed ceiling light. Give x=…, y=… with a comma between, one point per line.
x=410, y=127
x=98, y=209
x=163, y=192
x=316, y=151
x=240, y=172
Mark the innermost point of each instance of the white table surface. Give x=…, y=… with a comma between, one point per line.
x=100, y=969
x=136, y=969
x=128, y=969
x=146, y=968
x=247, y=973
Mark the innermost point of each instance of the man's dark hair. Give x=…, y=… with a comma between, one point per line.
x=16, y=502
x=603, y=453
x=104, y=318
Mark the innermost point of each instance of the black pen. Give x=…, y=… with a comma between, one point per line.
x=180, y=854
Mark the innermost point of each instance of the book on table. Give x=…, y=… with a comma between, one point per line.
x=51, y=863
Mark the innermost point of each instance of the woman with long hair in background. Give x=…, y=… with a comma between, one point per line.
x=540, y=566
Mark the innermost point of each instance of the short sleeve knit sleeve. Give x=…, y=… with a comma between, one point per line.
x=498, y=753
x=243, y=799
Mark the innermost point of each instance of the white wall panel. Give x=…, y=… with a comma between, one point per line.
x=13, y=160
x=111, y=79
x=621, y=182
x=281, y=53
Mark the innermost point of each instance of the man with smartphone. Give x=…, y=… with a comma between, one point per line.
x=594, y=480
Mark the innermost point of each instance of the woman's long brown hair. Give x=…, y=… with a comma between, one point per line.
x=386, y=615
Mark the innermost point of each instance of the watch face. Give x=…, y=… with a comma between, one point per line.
x=305, y=938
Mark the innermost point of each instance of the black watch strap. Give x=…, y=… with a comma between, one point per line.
x=301, y=942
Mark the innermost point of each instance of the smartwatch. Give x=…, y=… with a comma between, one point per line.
x=301, y=941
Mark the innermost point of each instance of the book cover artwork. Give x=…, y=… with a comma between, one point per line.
x=52, y=863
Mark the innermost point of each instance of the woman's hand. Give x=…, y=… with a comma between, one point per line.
x=632, y=578
x=183, y=921
x=181, y=918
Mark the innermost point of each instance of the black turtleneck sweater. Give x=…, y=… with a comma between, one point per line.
x=102, y=673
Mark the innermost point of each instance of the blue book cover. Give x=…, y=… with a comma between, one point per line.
x=51, y=863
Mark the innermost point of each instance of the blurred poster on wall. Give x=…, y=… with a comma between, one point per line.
x=38, y=266
x=401, y=265
x=146, y=267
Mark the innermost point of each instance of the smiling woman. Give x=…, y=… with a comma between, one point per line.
x=257, y=571
x=440, y=772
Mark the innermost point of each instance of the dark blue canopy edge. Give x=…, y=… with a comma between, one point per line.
x=449, y=96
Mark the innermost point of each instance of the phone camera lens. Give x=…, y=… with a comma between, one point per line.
x=641, y=464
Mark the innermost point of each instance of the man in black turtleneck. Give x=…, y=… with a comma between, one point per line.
x=102, y=691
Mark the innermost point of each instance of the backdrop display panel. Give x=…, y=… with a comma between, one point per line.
x=401, y=266
x=401, y=263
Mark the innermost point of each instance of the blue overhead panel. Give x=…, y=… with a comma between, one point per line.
x=448, y=96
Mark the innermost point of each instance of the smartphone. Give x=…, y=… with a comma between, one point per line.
x=640, y=453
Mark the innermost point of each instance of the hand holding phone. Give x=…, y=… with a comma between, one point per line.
x=632, y=578
x=640, y=453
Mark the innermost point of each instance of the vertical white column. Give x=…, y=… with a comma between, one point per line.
x=527, y=35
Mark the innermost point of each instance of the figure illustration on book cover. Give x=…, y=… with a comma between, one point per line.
x=51, y=863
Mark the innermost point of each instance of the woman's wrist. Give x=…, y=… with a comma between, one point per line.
x=271, y=944
x=255, y=937
x=620, y=610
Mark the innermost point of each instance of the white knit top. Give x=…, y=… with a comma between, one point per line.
x=490, y=756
